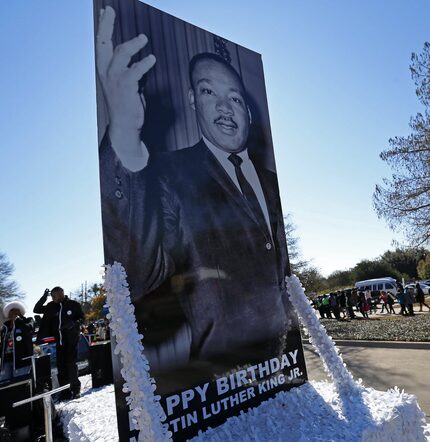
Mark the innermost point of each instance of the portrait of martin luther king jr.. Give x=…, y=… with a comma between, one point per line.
x=199, y=230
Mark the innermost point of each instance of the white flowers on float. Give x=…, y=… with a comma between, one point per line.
x=146, y=414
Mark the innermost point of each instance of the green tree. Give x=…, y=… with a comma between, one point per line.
x=8, y=287
x=423, y=268
x=340, y=279
x=95, y=310
x=405, y=260
x=404, y=199
x=369, y=269
x=312, y=279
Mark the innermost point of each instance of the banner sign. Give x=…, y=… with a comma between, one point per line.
x=191, y=208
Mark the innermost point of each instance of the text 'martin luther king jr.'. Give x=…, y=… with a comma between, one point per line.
x=199, y=230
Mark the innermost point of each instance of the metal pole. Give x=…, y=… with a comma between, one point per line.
x=46, y=408
x=33, y=367
x=48, y=418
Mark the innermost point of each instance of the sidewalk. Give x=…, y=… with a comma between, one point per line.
x=382, y=366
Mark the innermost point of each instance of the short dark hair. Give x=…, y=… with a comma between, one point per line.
x=208, y=56
x=57, y=289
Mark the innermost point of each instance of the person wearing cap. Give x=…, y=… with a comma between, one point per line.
x=62, y=318
x=16, y=344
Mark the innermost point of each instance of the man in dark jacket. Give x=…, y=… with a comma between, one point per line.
x=62, y=318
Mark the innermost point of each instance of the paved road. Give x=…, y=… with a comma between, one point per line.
x=382, y=368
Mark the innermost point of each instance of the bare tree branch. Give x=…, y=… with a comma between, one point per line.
x=404, y=199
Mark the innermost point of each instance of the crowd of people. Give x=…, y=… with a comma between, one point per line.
x=346, y=304
x=97, y=331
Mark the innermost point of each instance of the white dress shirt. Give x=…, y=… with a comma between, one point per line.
x=248, y=170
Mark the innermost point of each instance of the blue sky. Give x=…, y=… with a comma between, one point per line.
x=338, y=88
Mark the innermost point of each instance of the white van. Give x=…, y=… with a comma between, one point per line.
x=387, y=284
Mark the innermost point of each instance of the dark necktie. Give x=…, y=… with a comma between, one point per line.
x=249, y=193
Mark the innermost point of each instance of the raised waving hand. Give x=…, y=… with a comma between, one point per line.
x=120, y=82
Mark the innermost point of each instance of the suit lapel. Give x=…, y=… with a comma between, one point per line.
x=217, y=172
x=270, y=195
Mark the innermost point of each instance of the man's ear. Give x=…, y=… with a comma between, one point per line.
x=191, y=98
x=249, y=115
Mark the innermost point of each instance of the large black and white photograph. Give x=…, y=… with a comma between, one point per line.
x=191, y=209
x=216, y=221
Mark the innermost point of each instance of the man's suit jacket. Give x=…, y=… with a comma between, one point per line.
x=194, y=252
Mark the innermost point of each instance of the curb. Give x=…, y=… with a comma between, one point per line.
x=379, y=344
